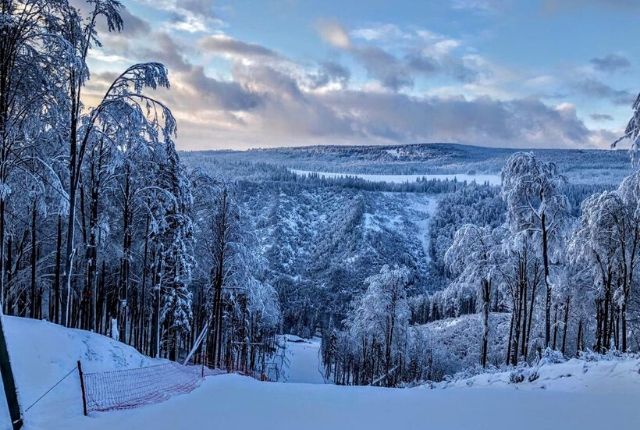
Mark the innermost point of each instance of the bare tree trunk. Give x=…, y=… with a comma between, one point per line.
x=579, y=340
x=555, y=326
x=545, y=260
x=34, y=258
x=3, y=264
x=509, y=343
x=566, y=325
x=142, y=316
x=486, y=297
x=57, y=300
x=126, y=256
x=598, y=345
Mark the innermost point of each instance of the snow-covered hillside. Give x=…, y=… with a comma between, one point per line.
x=574, y=394
x=435, y=158
x=320, y=243
x=42, y=353
x=591, y=374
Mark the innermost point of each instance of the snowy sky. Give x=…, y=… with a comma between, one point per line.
x=514, y=73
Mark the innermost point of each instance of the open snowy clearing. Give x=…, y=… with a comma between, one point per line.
x=491, y=179
x=237, y=402
x=574, y=394
x=302, y=360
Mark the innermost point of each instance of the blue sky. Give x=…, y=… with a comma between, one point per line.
x=516, y=73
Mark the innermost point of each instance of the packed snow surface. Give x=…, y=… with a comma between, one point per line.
x=232, y=401
x=577, y=394
x=491, y=179
x=303, y=363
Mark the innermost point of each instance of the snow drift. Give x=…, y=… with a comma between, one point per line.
x=42, y=353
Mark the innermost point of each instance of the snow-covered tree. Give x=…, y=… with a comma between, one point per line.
x=29, y=97
x=235, y=302
x=176, y=239
x=471, y=259
x=632, y=132
x=536, y=207
x=380, y=319
x=607, y=240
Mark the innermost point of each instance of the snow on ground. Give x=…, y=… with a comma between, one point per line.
x=609, y=374
x=425, y=209
x=597, y=395
x=303, y=363
x=42, y=353
x=480, y=178
x=232, y=401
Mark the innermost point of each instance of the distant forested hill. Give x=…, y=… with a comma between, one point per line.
x=581, y=165
x=322, y=237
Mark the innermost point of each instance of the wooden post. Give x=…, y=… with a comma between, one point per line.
x=8, y=381
x=84, y=396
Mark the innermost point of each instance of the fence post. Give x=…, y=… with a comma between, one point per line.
x=84, y=396
x=8, y=382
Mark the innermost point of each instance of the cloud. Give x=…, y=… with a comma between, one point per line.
x=396, y=58
x=391, y=72
x=601, y=117
x=597, y=89
x=191, y=16
x=263, y=106
x=516, y=123
x=379, y=32
x=132, y=25
x=260, y=105
x=610, y=63
x=330, y=72
x=221, y=44
x=218, y=94
x=165, y=50
x=334, y=34
x=558, y=5
x=280, y=102
x=481, y=5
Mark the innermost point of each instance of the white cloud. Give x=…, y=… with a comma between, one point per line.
x=267, y=99
x=334, y=34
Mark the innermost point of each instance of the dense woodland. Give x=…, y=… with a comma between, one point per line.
x=566, y=279
x=103, y=228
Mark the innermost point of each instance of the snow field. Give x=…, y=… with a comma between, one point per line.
x=576, y=394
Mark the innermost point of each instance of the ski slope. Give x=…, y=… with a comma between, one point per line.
x=577, y=394
x=237, y=402
x=42, y=353
x=303, y=363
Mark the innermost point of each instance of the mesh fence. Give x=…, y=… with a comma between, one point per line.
x=130, y=388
